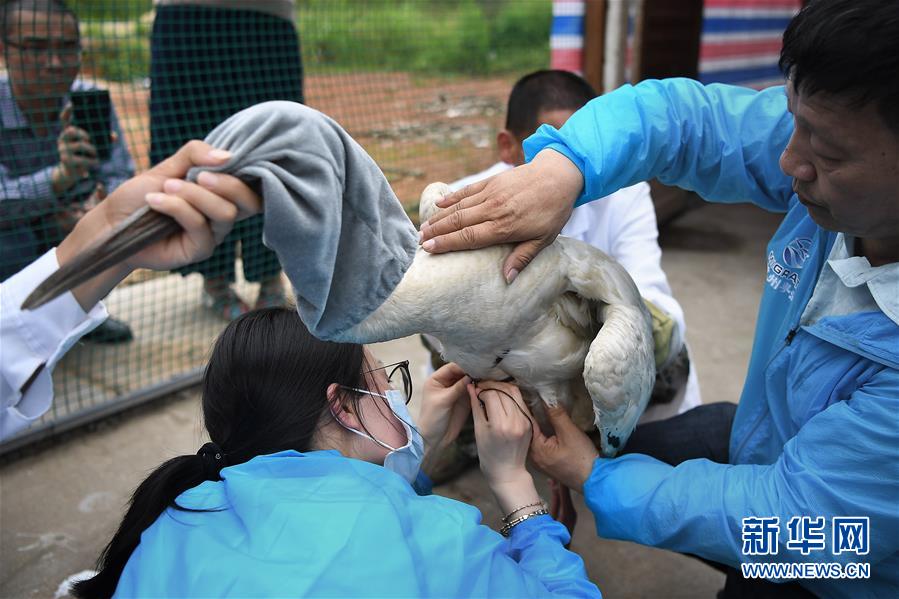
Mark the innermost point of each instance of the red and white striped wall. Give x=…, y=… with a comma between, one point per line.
x=740, y=43
x=566, y=38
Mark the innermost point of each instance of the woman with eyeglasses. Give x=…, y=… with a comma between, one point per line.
x=312, y=485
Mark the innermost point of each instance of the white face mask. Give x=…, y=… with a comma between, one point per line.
x=405, y=460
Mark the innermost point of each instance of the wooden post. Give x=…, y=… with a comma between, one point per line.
x=637, y=42
x=616, y=44
x=671, y=36
x=669, y=47
x=594, y=42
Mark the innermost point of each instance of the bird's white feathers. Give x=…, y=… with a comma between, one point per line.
x=572, y=321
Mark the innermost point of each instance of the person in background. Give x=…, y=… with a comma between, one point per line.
x=49, y=169
x=815, y=439
x=623, y=225
x=209, y=60
x=311, y=485
x=33, y=341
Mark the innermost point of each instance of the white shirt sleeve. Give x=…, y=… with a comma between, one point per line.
x=33, y=341
x=635, y=244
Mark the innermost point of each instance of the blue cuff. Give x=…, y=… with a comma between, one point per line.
x=543, y=140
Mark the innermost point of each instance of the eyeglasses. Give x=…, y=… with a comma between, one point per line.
x=397, y=374
x=69, y=52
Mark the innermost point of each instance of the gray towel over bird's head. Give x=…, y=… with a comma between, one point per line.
x=339, y=231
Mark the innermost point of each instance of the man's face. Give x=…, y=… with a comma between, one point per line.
x=43, y=54
x=845, y=165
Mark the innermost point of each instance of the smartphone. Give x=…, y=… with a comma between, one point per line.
x=91, y=112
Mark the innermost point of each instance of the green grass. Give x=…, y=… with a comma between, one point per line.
x=434, y=37
x=109, y=10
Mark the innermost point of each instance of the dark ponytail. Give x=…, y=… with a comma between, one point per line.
x=149, y=501
x=264, y=391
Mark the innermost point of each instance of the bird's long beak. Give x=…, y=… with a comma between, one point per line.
x=133, y=234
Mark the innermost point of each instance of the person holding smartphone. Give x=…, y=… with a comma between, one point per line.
x=51, y=172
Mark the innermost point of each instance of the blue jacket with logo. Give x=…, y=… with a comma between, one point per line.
x=816, y=432
x=318, y=524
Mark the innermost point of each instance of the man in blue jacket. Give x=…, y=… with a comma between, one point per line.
x=810, y=482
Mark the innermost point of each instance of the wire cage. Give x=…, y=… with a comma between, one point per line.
x=420, y=84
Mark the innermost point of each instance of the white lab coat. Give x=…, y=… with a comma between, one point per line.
x=34, y=341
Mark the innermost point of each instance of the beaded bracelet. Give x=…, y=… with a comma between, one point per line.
x=507, y=528
x=508, y=516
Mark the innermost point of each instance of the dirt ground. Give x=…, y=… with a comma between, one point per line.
x=60, y=503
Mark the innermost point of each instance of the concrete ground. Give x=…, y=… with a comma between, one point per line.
x=60, y=503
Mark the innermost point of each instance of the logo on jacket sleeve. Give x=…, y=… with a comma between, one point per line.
x=797, y=252
x=784, y=276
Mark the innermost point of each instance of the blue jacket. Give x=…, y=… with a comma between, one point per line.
x=816, y=432
x=320, y=525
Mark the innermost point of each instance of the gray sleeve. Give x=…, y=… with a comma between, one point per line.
x=339, y=231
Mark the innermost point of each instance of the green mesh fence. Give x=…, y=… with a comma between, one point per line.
x=421, y=84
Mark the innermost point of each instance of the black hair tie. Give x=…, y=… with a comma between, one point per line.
x=213, y=461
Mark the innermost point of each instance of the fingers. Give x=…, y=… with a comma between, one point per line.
x=79, y=155
x=197, y=153
x=560, y=420
x=478, y=409
x=538, y=439
x=465, y=192
x=494, y=403
x=76, y=153
x=505, y=405
x=219, y=212
x=234, y=190
x=520, y=257
x=197, y=232
x=193, y=153
x=540, y=443
x=201, y=153
x=486, y=405
x=468, y=212
x=71, y=134
x=76, y=143
x=80, y=163
x=448, y=375
x=65, y=117
x=460, y=414
x=469, y=238
x=514, y=401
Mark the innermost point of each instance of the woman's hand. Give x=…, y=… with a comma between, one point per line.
x=503, y=430
x=569, y=455
x=444, y=410
x=206, y=211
